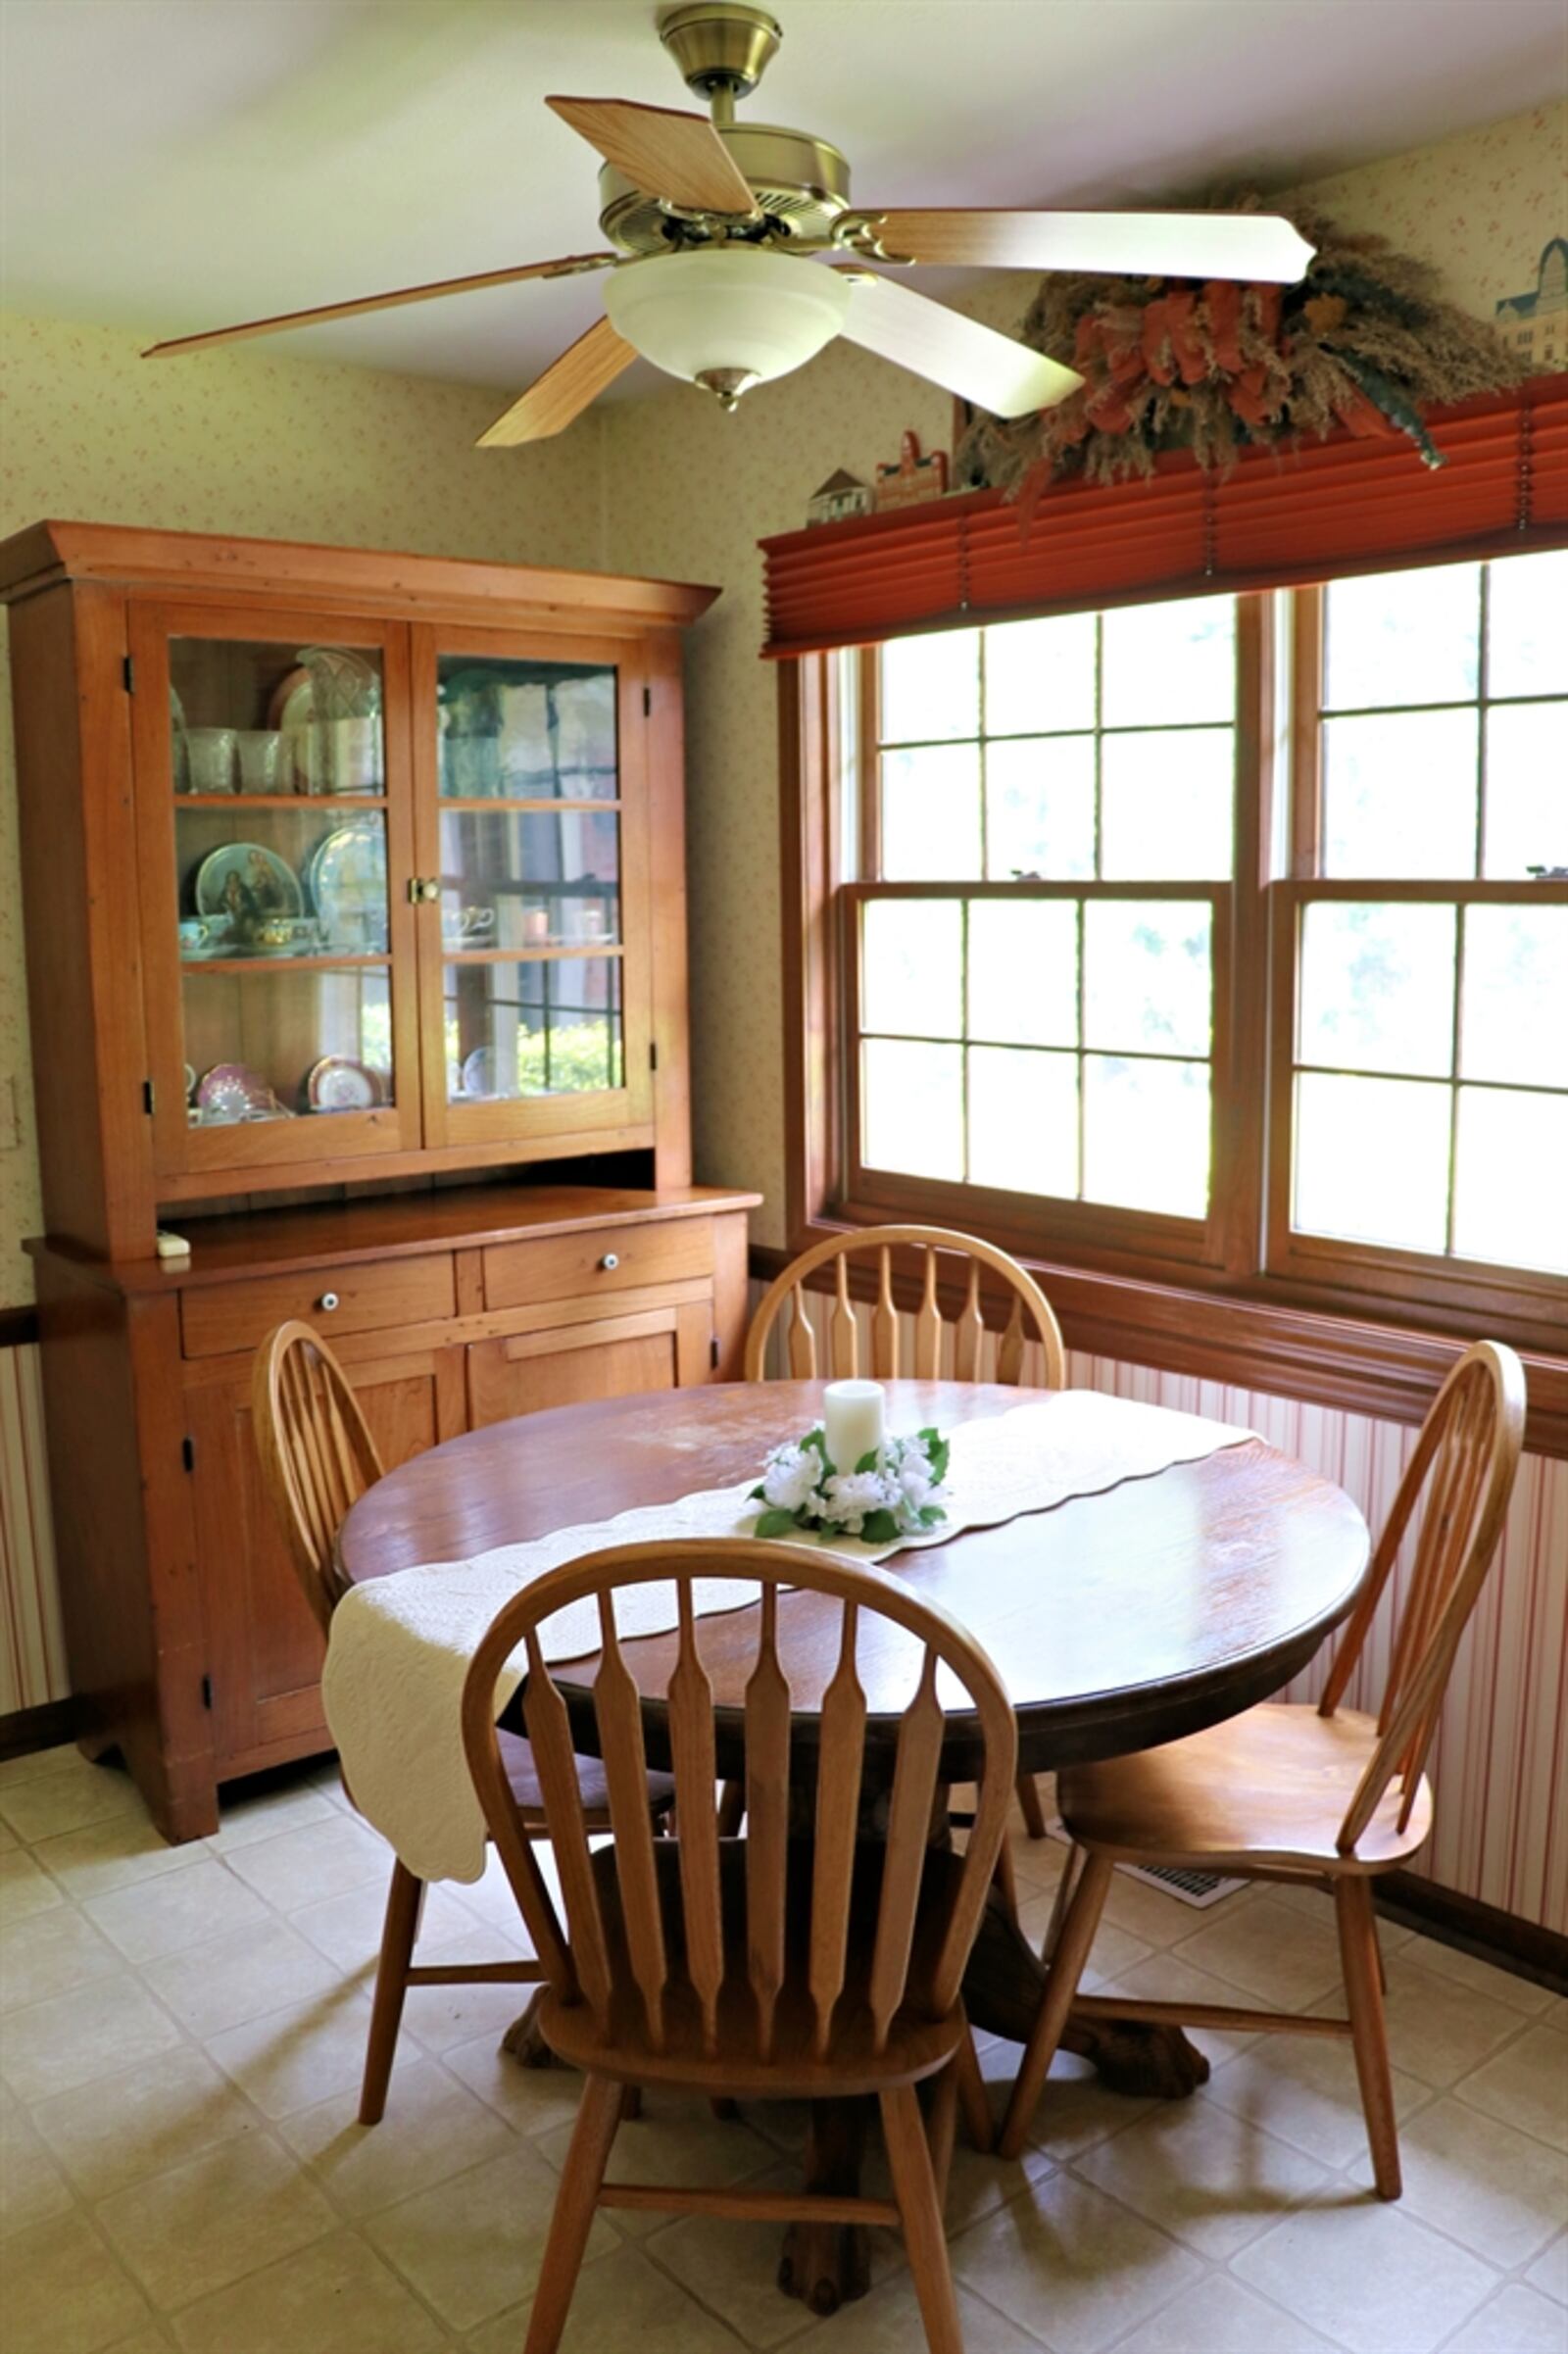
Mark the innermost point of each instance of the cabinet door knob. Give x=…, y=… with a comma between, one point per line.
x=610, y=1261
x=328, y=1302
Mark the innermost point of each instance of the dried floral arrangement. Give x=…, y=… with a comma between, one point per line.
x=1364, y=341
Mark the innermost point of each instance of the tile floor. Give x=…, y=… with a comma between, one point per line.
x=180, y=2039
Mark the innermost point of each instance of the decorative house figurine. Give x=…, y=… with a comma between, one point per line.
x=841, y=495
x=913, y=480
x=1535, y=325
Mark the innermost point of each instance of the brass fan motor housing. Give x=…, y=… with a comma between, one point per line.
x=720, y=45
x=800, y=182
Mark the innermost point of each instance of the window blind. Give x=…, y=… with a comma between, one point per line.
x=1277, y=520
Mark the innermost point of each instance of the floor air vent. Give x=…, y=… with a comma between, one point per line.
x=1189, y=1887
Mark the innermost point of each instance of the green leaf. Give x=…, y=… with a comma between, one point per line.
x=879, y=1527
x=757, y=1495
x=931, y=1515
x=776, y=1523
x=867, y=1462
x=817, y=1437
x=938, y=1450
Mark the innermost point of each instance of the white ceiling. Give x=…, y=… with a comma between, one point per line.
x=170, y=164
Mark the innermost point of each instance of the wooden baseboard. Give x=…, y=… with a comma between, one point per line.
x=42, y=1728
x=1525, y=1947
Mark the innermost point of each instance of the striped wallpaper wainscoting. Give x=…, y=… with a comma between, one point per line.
x=33, y=1650
x=1501, y=1763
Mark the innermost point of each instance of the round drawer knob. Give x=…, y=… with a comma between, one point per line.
x=328, y=1302
x=610, y=1261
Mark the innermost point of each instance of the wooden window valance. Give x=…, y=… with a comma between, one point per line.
x=1279, y=520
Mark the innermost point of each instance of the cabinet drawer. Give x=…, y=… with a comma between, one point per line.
x=380, y=1294
x=601, y=1258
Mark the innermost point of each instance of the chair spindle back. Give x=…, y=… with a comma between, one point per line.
x=1031, y=1317
x=1464, y=1465
x=317, y=1453
x=662, y=1969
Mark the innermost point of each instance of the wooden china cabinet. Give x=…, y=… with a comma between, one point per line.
x=355, y=907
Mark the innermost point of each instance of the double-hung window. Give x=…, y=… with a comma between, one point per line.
x=1226, y=935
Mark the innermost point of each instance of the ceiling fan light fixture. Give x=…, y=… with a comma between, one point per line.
x=726, y=316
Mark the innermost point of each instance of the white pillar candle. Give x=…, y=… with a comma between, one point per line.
x=851, y=1421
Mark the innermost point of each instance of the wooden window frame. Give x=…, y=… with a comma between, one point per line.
x=1331, y=1328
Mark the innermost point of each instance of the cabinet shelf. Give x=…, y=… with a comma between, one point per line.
x=328, y=961
x=324, y=802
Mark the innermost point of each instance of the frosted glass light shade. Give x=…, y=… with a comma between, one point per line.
x=729, y=309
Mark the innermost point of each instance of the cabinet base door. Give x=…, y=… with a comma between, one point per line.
x=263, y=1647
x=623, y=1356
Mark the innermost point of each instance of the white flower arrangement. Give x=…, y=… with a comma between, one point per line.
x=895, y=1491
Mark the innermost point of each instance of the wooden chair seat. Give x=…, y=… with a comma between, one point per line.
x=1267, y=1791
x=522, y=1779
x=915, y=2046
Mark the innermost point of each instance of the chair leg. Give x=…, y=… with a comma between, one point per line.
x=1358, y=1953
x=1061, y=1984
x=597, y=2115
x=731, y=1809
x=405, y=1901
x=1006, y=1879
x=972, y=2095
x=924, y=2240
x=1034, y=1814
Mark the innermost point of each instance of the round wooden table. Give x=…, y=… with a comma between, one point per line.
x=1117, y=1621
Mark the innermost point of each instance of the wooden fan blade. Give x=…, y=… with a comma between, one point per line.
x=991, y=370
x=661, y=151
x=566, y=388
x=563, y=267
x=1156, y=245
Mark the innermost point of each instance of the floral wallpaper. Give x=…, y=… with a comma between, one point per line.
x=247, y=441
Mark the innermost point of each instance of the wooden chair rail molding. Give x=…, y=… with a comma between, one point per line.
x=1389, y=1371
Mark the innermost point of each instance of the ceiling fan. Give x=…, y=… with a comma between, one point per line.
x=737, y=255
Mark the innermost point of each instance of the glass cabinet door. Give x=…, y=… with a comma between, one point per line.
x=534, y=850
x=269, y=835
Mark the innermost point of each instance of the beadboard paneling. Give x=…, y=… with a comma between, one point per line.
x=33, y=1650
x=1500, y=1760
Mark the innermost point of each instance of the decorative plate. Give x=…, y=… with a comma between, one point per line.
x=346, y=875
x=290, y=707
x=248, y=882
x=478, y=1076
x=233, y=1091
x=338, y=1083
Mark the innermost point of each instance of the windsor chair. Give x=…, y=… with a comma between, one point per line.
x=1030, y=1307
x=775, y=1968
x=318, y=1457
x=1296, y=1792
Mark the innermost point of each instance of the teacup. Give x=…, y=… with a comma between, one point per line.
x=193, y=935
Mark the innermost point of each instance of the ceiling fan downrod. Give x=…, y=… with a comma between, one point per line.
x=723, y=49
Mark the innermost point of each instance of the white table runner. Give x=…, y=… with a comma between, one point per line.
x=401, y=1645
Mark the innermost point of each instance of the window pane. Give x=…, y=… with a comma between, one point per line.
x=525, y=878
x=1509, y=1200
x=1165, y=806
x=1514, y=1005
x=1147, y=976
x=525, y=730
x=1146, y=1135
x=931, y=687
x=547, y=1027
x=1527, y=789
x=931, y=814
x=1377, y=987
x=1023, y=972
x=1023, y=1121
x=1163, y=662
x=1040, y=675
x=1372, y=1160
x=913, y=1108
x=1399, y=795
x=1402, y=637
x=914, y=967
x=1527, y=652
x=1040, y=809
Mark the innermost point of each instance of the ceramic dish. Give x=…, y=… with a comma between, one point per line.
x=478, y=1076
x=249, y=883
x=338, y=1083
x=233, y=1091
x=346, y=876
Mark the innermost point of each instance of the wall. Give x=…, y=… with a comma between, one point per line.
x=246, y=441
